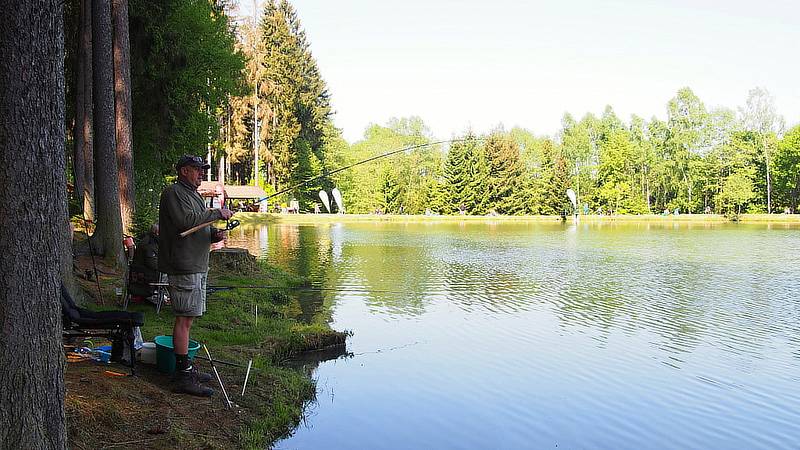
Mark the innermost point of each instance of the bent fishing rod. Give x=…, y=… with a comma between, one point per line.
x=327, y=174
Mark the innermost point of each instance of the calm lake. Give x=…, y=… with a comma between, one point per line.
x=517, y=336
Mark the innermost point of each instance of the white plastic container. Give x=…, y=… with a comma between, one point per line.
x=147, y=354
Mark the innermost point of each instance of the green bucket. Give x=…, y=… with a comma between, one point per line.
x=165, y=354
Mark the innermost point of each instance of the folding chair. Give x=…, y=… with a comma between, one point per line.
x=117, y=326
x=137, y=284
x=143, y=279
x=161, y=287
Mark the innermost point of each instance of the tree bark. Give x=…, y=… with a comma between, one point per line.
x=122, y=97
x=107, y=238
x=769, y=182
x=84, y=151
x=33, y=226
x=77, y=150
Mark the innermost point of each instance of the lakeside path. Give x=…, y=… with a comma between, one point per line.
x=253, y=218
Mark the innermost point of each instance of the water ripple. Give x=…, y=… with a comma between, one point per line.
x=532, y=336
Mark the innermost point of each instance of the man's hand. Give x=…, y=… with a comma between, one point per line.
x=226, y=213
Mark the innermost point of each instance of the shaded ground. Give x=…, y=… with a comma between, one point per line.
x=106, y=408
x=109, y=411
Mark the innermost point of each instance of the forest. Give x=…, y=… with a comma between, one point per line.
x=249, y=96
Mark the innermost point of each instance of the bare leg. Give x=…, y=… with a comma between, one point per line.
x=188, y=380
x=180, y=334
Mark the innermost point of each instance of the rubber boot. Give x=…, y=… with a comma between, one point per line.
x=202, y=377
x=187, y=383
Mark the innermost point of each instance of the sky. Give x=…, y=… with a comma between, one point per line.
x=480, y=64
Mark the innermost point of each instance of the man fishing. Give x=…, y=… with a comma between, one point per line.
x=144, y=267
x=185, y=261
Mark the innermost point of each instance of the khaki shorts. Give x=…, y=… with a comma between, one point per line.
x=188, y=294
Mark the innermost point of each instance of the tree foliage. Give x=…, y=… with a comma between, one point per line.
x=296, y=110
x=184, y=67
x=255, y=94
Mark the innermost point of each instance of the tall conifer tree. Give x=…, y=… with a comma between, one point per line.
x=33, y=232
x=456, y=177
x=504, y=182
x=298, y=104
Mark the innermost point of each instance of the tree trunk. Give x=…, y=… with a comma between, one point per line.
x=689, y=206
x=255, y=135
x=224, y=158
x=32, y=231
x=647, y=193
x=108, y=234
x=84, y=145
x=78, y=166
x=221, y=173
x=769, y=183
x=122, y=97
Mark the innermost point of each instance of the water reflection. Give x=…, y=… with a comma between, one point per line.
x=530, y=335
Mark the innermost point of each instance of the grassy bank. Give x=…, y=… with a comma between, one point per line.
x=251, y=218
x=105, y=410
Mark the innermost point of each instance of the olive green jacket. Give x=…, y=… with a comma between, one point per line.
x=182, y=208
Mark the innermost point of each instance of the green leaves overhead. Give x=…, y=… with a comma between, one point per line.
x=184, y=66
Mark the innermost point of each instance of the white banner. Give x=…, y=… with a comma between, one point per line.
x=337, y=196
x=324, y=197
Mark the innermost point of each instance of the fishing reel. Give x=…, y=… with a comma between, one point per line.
x=231, y=225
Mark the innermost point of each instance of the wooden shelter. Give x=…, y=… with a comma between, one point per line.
x=244, y=195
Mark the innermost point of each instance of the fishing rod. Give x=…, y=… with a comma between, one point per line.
x=327, y=174
x=229, y=224
x=212, y=289
x=364, y=161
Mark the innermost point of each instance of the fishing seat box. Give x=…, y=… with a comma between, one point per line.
x=117, y=326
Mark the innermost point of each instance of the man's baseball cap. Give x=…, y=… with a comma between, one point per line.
x=191, y=160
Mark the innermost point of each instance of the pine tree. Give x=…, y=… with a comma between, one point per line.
x=277, y=86
x=438, y=196
x=505, y=174
x=84, y=142
x=476, y=198
x=554, y=181
x=122, y=108
x=455, y=177
x=465, y=178
x=559, y=184
x=297, y=102
x=33, y=233
x=108, y=234
x=311, y=169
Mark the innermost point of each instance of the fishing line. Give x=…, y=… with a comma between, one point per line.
x=364, y=161
x=327, y=174
x=212, y=289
